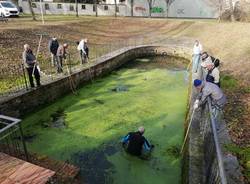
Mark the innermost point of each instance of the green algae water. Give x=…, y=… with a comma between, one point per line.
x=86, y=129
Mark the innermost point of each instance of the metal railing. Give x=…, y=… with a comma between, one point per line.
x=14, y=77
x=214, y=167
x=11, y=138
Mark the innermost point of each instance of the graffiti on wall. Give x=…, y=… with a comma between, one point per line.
x=139, y=8
x=180, y=11
x=157, y=10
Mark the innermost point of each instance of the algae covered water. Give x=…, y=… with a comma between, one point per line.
x=86, y=129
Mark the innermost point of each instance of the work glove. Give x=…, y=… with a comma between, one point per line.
x=196, y=104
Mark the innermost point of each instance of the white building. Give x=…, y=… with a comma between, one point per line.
x=159, y=8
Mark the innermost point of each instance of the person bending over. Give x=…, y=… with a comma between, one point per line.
x=206, y=89
x=135, y=143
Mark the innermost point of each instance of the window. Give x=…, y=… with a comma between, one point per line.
x=94, y=8
x=83, y=7
x=106, y=7
x=46, y=6
x=71, y=8
x=7, y=5
x=59, y=6
x=33, y=5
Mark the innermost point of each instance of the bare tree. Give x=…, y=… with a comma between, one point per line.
x=150, y=7
x=132, y=8
x=96, y=13
x=231, y=10
x=76, y=2
x=116, y=8
x=168, y=3
x=31, y=10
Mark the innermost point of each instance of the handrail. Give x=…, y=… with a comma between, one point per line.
x=14, y=122
x=215, y=137
x=217, y=144
x=11, y=128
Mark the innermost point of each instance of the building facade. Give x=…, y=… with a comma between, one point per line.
x=137, y=8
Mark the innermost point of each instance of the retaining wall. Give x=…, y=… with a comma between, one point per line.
x=28, y=101
x=198, y=166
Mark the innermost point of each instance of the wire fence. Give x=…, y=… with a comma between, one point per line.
x=14, y=77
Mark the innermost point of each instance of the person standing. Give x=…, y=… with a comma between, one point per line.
x=205, y=59
x=29, y=60
x=81, y=48
x=197, y=49
x=61, y=56
x=213, y=74
x=53, y=46
x=86, y=49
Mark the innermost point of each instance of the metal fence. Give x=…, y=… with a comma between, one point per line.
x=213, y=160
x=14, y=78
x=11, y=138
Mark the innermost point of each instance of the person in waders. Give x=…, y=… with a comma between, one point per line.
x=136, y=144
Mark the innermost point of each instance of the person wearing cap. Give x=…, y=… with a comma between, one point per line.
x=213, y=74
x=53, y=46
x=197, y=49
x=206, y=89
x=61, y=55
x=135, y=143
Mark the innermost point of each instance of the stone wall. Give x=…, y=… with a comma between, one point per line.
x=197, y=165
x=200, y=162
x=27, y=101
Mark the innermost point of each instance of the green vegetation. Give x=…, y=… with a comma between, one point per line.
x=228, y=82
x=244, y=154
x=103, y=112
x=11, y=83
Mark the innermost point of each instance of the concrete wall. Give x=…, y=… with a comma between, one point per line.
x=28, y=101
x=194, y=9
x=176, y=8
x=201, y=163
x=65, y=9
x=198, y=166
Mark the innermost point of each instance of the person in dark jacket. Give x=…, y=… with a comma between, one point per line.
x=213, y=74
x=86, y=49
x=29, y=60
x=135, y=143
x=53, y=46
x=61, y=56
